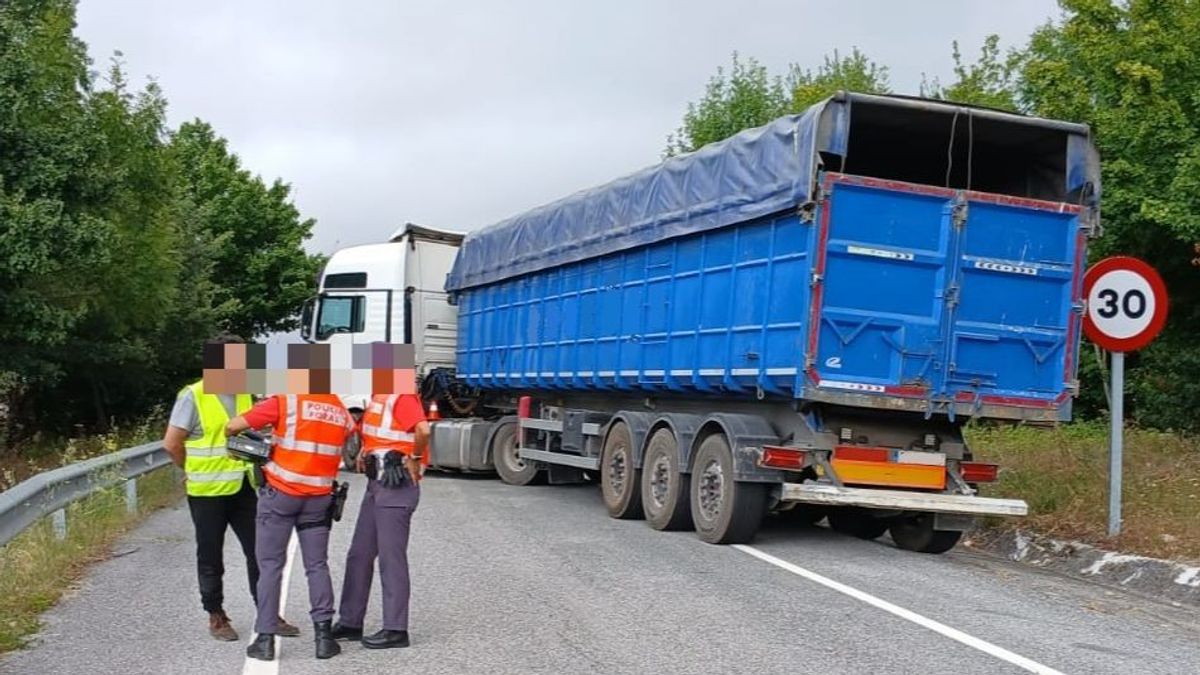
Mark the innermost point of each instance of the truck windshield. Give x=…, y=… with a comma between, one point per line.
x=340, y=314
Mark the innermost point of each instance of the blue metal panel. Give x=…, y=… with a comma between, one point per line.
x=948, y=296
x=1014, y=327
x=718, y=311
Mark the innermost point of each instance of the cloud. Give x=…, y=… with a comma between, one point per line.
x=461, y=115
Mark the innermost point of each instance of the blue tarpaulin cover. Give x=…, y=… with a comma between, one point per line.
x=755, y=173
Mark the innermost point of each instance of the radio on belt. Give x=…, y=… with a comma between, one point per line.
x=249, y=446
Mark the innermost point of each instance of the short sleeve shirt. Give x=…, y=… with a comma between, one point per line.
x=186, y=415
x=408, y=411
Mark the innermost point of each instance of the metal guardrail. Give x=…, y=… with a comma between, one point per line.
x=48, y=492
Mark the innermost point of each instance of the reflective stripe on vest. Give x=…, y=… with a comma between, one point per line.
x=308, y=444
x=211, y=472
x=303, y=479
x=379, y=427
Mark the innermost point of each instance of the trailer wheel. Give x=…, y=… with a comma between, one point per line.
x=856, y=523
x=916, y=533
x=664, y=487
x=512, y=469
x=724, y=510
x=620, y=480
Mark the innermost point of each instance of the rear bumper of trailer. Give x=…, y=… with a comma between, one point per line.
x=830, y=495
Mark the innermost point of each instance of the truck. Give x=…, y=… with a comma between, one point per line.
x=797, y=320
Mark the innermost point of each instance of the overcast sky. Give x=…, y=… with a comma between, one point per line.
x=457, y=115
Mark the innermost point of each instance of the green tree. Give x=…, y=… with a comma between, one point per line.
x=260, y=270
x=51, y=240
x=854, y=72
x=1131, y=70
x=748, y=96
x=990, y=81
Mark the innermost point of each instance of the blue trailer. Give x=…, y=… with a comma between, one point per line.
x=797, y=319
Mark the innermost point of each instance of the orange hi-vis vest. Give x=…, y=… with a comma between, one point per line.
x=381, y=432
x=308, y=444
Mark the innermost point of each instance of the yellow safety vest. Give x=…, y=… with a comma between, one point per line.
x=211, y=472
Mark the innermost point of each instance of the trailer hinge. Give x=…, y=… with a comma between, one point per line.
x=951, y=295
x=1089, y=223
x=816, y=279
x=808, y=210
x=959, y=212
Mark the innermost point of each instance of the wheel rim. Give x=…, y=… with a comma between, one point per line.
x=617, y=470
x=712, y=490
x=660, y=481
x=512, y=455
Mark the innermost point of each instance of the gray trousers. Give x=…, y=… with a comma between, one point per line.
x=278, y=515
x=381, y=532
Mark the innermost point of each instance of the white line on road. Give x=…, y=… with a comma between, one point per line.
x=925, y=622
x=254, y=666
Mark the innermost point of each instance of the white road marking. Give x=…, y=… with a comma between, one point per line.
x=924, y=622
x=254, y=666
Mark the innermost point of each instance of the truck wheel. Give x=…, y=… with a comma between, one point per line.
x=724, y=510
x=512, y=469
x=664, y=488
x=856, y=523
x=916, y=533
x=620, y=481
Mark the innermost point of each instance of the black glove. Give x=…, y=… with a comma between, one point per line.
x=393, y=470
x=371, y=466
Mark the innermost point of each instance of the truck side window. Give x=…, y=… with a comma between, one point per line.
x=340, y=314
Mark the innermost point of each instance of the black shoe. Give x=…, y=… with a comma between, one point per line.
x=341, y=631
x=386, y=639
x=263, y=647
x=327, y=647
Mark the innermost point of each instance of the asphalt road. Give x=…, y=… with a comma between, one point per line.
x=539, y=580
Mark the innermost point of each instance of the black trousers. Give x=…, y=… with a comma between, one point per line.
x=211, y=515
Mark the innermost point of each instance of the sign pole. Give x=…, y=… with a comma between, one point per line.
x=1117, y=448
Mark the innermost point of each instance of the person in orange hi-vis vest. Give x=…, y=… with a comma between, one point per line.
x=395, y=438
x=309, y=431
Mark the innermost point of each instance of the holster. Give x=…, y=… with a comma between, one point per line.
x=337, y=502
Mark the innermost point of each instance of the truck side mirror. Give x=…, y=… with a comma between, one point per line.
x=306, y=319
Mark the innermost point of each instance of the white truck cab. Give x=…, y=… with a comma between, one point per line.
x=391, y=292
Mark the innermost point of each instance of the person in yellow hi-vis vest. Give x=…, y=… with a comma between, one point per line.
x=219, y=493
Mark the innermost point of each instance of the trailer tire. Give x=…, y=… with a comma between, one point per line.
x=504, y=448
x=664, y=487
x=724, y=511
x=856, y=523
x=620, y=480
x=916, y=533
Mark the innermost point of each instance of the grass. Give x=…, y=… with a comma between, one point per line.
x=43, y=452
x=1062, y=473
x=36, y=568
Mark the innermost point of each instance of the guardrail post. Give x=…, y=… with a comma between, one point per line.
x=131, y=503
x=59, y=519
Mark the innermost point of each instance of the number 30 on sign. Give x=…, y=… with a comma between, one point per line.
x=1126, y=304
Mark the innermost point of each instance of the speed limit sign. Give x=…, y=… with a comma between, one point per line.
x=1126, y=309
x=1126, y=304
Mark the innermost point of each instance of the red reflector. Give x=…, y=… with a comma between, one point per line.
x=524, y=405
x=979, y=472
x=861, y=453
x=783, y=458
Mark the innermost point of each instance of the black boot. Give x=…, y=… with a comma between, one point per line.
x=343, y=632
x=386, y=639
x=327, y=647
x=263, y=647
